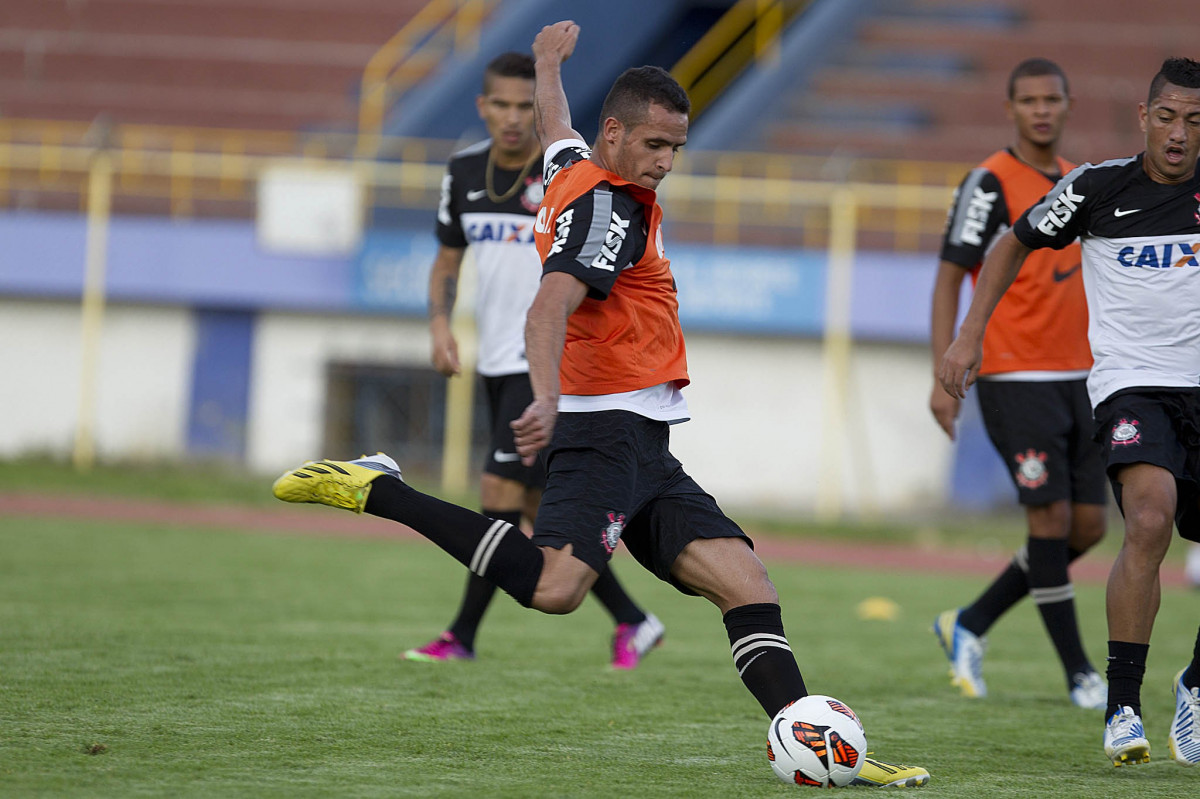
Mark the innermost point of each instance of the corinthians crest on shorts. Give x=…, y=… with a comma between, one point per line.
x=1031, y=469
x=611, y=535
x=1126, y=433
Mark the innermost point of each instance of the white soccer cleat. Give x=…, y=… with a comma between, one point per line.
x=964, y=649
x=1089, y=691
x=1184, y=740
x=380, y=463
x=1125, y=738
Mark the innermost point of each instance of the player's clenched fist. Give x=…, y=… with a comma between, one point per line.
x=556, y=41
x=533, y=430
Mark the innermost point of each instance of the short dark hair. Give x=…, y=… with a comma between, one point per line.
x=1035, y=68
x=508, y=65
x=1180, y=71
x=629, y=99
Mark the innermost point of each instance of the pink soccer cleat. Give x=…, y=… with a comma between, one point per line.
x=444, y=647
x=631, y=642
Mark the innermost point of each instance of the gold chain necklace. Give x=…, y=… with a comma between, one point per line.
x=489, y=180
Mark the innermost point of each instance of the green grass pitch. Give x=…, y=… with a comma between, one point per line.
x=150, y=660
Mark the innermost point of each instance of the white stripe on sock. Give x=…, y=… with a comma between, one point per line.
x=491, y=550
x=763, y=645
x=482, y=549
x=1048, y=596
x=750, y=642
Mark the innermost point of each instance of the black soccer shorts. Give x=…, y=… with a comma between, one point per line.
x=508, y=397
x=1159, y=426
x=612, y=478
x=1045, y=433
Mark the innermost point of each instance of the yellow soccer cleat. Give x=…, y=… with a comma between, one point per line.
x=877, y=774
x=338, y=484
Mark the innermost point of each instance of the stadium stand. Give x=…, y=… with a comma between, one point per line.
x=251, y=64
x=921, y=77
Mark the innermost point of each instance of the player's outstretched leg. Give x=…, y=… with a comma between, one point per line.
x=964, y=649
x=490, y=548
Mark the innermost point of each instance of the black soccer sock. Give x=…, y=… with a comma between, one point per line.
x=1051, y=589
x=491, y=548
x=1126, y=668
x=1191, y=675
x=619, y=604
x=762, y=656
x=478, y=592
x=1009, y=588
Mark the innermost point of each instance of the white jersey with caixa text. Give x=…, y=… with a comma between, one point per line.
x=500, y=235
x=1141, y=270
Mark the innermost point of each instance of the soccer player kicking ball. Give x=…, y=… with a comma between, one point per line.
x=607, y=363
x=1139, y=222
x=490, y=196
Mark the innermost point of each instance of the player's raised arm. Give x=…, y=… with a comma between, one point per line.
x=552, y=115
x=960, y=365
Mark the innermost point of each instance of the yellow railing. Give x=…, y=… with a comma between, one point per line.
x=440, y=27
x=735, y=197
x=748, y=32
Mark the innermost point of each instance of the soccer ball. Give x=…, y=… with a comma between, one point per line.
x=816, y=741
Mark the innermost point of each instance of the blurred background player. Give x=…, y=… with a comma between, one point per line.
x=490, y=197
x=1137, y=219
x=1032, y=387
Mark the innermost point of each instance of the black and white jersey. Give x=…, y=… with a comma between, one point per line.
x=599, y=234
x=1141, y=270
x=500, y=237
x=977, y=217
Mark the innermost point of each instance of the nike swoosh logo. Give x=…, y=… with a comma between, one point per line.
x=1060, y=276
x=478, y=194
x=500, y=456
x=1119, y=213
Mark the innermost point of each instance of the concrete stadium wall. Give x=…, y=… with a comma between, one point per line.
x=288, y=379
x=755, y=439
x=142, y=381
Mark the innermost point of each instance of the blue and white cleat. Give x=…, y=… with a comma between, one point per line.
x=1125, y=738
x=1184, y=740
x=1089, y=691
x=964, y=649
x=380, y=463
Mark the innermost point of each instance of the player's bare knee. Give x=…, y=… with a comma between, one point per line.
x=564, y=582
x=726, y=572
x=1148, y=529
x=558, y=597
x=1051, y=521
